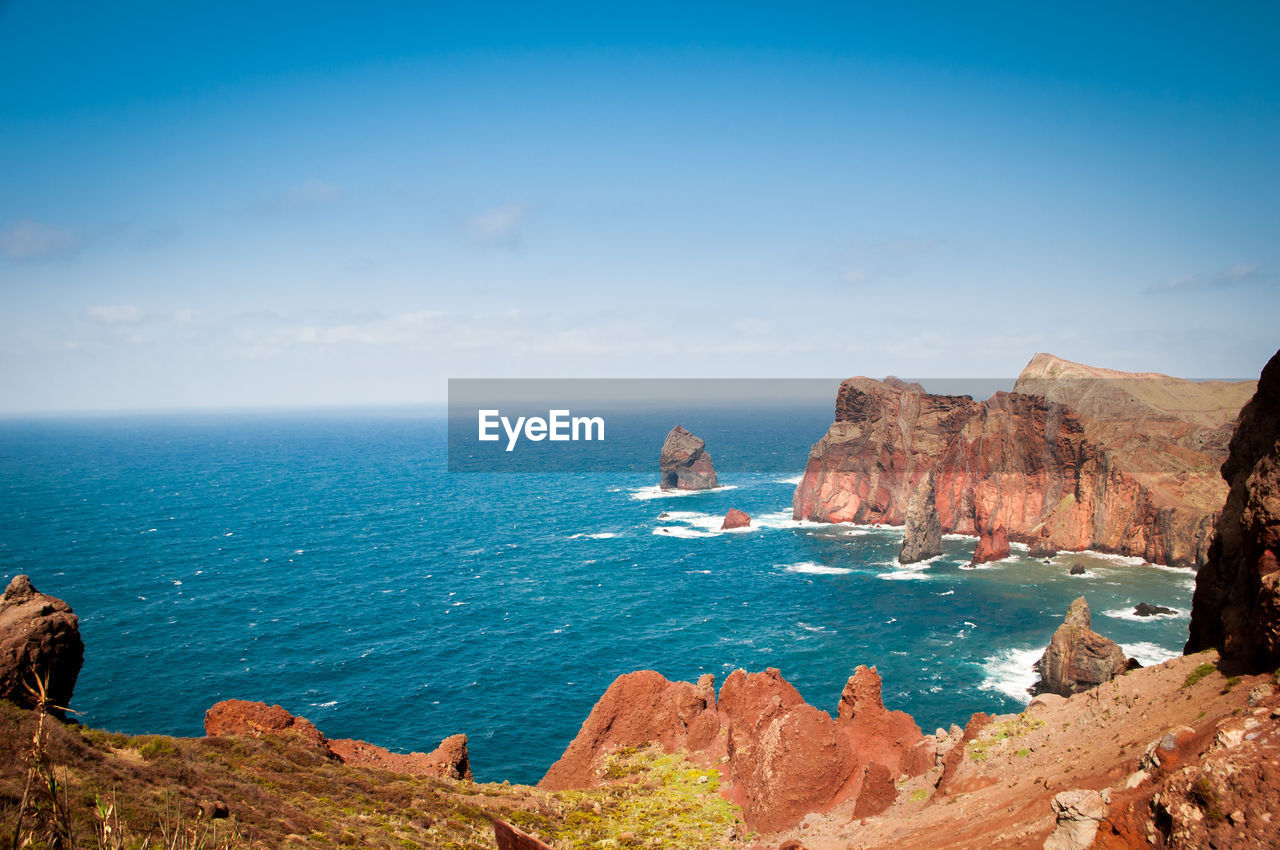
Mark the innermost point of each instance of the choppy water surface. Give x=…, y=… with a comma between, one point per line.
x=332, y=565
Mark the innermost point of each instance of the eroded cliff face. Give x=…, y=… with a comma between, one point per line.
x=1133, y=477
x=1236, y=607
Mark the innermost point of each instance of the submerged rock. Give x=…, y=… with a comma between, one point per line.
x=1077, y=657
x=1146, y=609
x=735, y=519
x=1077, y=569
x=922, y=532
x=39, y=640
x=685, y=463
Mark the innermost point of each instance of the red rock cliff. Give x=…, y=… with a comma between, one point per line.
x=1131, y=476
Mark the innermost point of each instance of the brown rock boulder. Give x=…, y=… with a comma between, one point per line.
x=993, y=544
x=922, y=530
x=735, y=519
x=637, y=708
x=685, y=463
x=450, y=760
x=255, y=719
x=1077, y=657
x=1236, y=607
x=39, y=639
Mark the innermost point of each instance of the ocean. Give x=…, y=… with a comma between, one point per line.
x=331, y=563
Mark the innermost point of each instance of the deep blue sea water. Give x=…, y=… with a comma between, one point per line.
x=331, y=564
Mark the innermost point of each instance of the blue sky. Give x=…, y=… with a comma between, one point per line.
x=324, y=204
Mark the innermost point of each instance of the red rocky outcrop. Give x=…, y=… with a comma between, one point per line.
x=255, y=719
x=39, y=640
x=1128, y=476
x=993, y=544
x=685, y=463
x=1236, y=607
x=782, y=758
x=735, y=519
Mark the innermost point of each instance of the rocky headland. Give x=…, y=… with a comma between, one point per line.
x=1075, y=458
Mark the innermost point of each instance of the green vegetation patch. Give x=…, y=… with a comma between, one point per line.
x=1199, y=673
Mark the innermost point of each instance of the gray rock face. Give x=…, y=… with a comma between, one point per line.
x=685, y=463
x=39, y=639
x=922, y=535
x=1078, y=814
x=1077, y=657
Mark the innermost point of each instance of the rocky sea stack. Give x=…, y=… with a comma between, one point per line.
x=922, y=534
x=39, y=640
x=685, y=463
x=1077, y=657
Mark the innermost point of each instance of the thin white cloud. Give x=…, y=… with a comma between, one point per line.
x=117, y=314
x=312, y=192
x=32, y=240
x=1237, y=275
x=498, y=225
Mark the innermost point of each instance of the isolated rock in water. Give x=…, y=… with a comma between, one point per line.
x=993, y=544
x=735, y=519
x=1146, y=609
x=1042, y=546
x=1077, y=657
x=1236, y=607
x=922, y=532
x=450, y=760
x=684, y=463
x=1078, y=814
x=1077, y=569
x=39, y=639
x=255, y=719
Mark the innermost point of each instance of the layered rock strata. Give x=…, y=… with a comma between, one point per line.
x=1131, y=474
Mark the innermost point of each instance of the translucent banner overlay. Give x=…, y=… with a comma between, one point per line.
x=600, y=425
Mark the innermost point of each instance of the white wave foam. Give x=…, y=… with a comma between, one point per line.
x=1123, y=560
x=907, y=573
x=1011, y=672
x=643, y=494
x=811, y=568
x=1149, y=654
x=945, y=593
x=1127, y=614
x=682, y=532
x=1085, y=574
x=952, y=536
x=793, y=480
x=603, y=535
x=809, y=628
